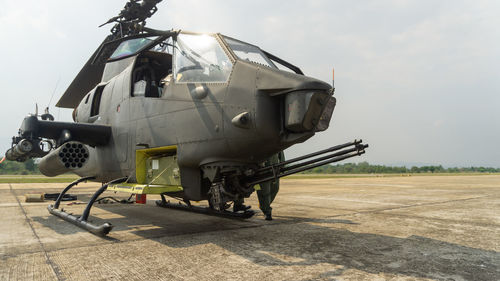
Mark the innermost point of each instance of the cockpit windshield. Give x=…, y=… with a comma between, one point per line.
x=249, y=52
x=200, y=58
x=131, y=46
x=252, y=53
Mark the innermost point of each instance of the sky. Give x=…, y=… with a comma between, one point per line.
x=415, y=79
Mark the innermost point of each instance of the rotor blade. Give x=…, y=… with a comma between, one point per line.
x=88, y=77
x=110, y=21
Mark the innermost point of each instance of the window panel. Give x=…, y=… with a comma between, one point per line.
x=200, y=58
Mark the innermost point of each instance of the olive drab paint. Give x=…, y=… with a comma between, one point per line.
x=185, y=114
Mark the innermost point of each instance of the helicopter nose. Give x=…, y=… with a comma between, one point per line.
x=308, y=110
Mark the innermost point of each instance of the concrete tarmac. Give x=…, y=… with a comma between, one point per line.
x=376, y=228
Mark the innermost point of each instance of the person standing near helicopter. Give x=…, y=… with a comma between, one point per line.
x=268, y=190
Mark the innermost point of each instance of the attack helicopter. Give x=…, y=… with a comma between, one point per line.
x=182, y=114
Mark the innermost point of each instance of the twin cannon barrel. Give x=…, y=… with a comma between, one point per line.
x=310, y=161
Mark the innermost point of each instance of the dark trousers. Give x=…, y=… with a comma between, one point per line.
x=268, y=190
x=266, y=195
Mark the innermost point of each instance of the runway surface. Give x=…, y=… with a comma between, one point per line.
x=376, y=228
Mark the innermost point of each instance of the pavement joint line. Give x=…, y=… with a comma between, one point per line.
x=54, y=267
x=447, y=220
x=409, y=206
x=305, y=205
x=388, y=209
x=290, y=222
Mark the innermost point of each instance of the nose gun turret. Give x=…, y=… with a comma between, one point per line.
x=306, y=162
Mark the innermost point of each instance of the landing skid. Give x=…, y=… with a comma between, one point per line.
x=81, y=221
x=204, y=210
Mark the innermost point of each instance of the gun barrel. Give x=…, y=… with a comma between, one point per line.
x=340, y=153
x=314, y=160
x=307, y=156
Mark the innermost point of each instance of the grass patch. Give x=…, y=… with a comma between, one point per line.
x=348, y=176
x=71, y=178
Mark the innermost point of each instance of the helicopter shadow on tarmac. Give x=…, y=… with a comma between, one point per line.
x=291, y=241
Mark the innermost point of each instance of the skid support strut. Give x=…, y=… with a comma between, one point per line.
x=81, y=221
x=203, y=210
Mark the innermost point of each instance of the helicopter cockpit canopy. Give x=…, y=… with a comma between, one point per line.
x=197, y=57
x=199, y=53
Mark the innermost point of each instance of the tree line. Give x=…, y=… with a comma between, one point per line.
x=17, y=168
x=30, y=167
x=366, y=168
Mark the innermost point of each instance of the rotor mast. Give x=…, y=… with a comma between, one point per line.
x=132, y=18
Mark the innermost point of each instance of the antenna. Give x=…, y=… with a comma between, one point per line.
x=57, y=84
x=333, y=78
x=46, y=115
